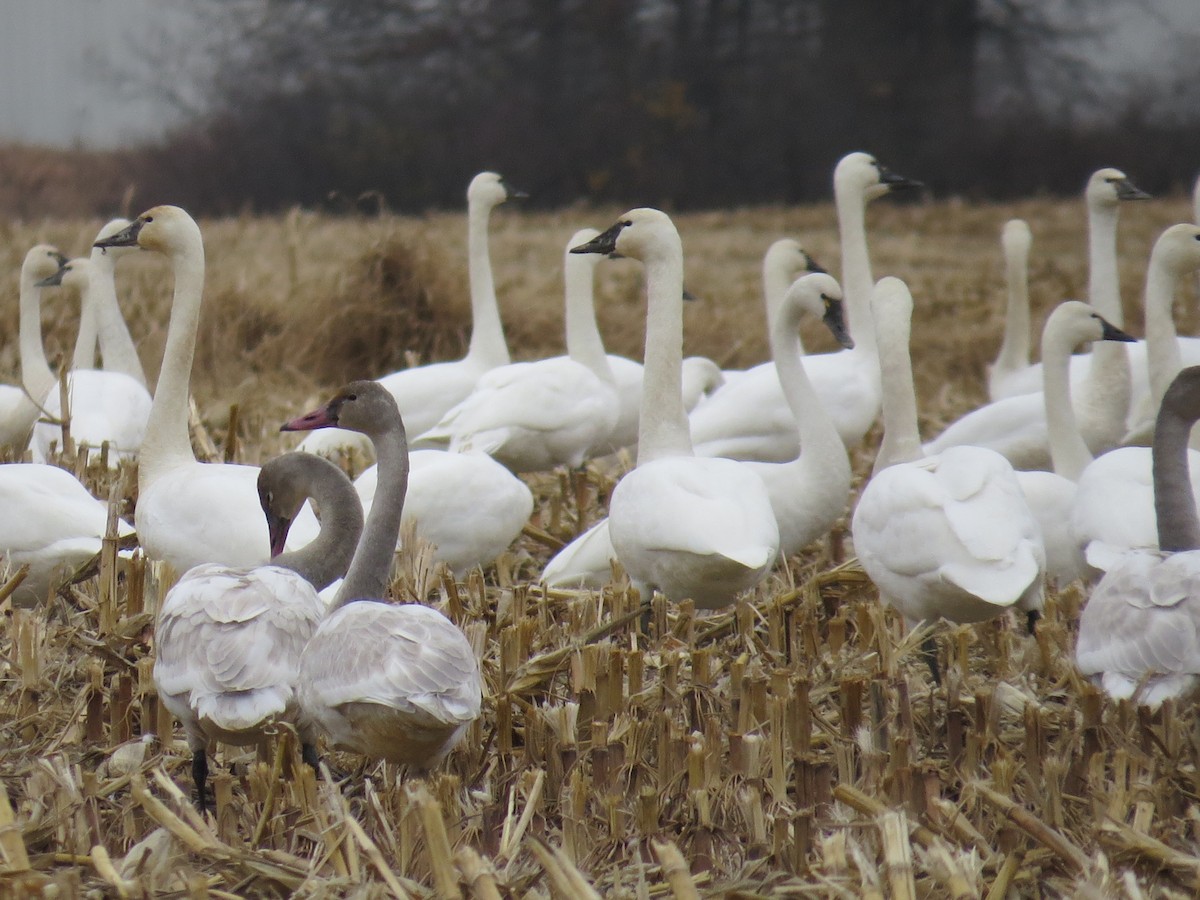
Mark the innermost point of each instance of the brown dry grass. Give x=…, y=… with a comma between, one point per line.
x=790, y=746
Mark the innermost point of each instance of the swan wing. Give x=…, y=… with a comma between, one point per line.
x=586, y=562
x=44, y=505
x=426, y=393
x=409, y=658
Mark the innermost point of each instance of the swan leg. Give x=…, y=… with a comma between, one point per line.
x=1031, y=620
x=929, y=650
x=308, y=753
x=200, y=777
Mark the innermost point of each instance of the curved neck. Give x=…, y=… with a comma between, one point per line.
x=370, y=571
x=36, y=374
x=84, y=356
x=1174, y=503
x=327, y=557
x=857, y=281
x=901, y=437
x=584, y=344
x=167, y=442
x=1162, y=345
x=1068, y=451
x=1104, y=288
x=821, y=446
x=117, y=350
x=663, y=427
x=488, y=346
x=1014, y=349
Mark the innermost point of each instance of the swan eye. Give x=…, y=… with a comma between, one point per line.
x=148, y=219
x=352, y=396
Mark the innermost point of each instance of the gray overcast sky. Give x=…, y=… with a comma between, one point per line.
x=57, y=59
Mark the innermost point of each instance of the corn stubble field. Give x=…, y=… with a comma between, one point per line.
x=789, y=746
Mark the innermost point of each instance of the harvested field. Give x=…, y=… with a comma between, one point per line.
x=791, y=746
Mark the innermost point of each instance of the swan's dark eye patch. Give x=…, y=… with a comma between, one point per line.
x=352, y=396
x=148, y=219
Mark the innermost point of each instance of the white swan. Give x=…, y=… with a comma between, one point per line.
x=1114, y=508
x=426, y=393
x=228, y=640
x=809, y=494
x=682, y=525
x=188, y=512
x=51, y=522
x=399, y=683
x=947, y=536
x=1139, y=634
x=105, y=406
x=1051, y=495
x=18, y=408
x=1013, y=357
x=118, y=353
x=749, y=417
x=1015, y=425
x=533, y=416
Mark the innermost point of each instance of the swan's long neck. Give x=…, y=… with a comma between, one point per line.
x=821, y=447
x=663, y=426
x=1068, y=451
x=488, y=346
x=1104, y=287
x=167, y=442
x=117, y=350
x=84, y=356
x=776, y=278
x=1109, y=389
x=901, y=436
x=857, y=281
x=584, y=344
x=328, y=556
x=1015, y=347
x=36, y=374
x=1174, y=503
x=1162, y=345
x=370, y=570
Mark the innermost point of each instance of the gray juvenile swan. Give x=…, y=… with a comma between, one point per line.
x=399, y=683
x=1138, y=634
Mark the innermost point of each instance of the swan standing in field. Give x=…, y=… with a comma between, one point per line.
x=808, y=495
x=51, y=522
x=188, y=512
x=947, y=536
x=1138, y=634
x=1051, y=495
x=533, y=416
x=683, y=525
x=426, y=393
x=1013, y=358
x=18, y=411
x=749, y=417
x=399, y=683
x=1114, y=504
x=105, y=406
x=228, y=640
x=1015, y=425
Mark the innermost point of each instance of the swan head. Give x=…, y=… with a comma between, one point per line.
x=1081, y=324
x=111, y=227
x=1177, y=249
x=787, y=255
x=582, y=236
x=1016, y=237
x=363, y=406
x=641, y=234
x=1107, y=187
x=165, y=229
x=891, y=301
x=73, y=274
x=41, y=261
x=1182, y=398
x=489, y=189
x=819, y=295
x=863, y=174
x=284, y=483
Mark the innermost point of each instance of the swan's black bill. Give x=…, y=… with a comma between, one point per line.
x=1127, y=190
x=605, y=242
x=689, y=296
x=835, y=321
x=811, y=265
x=894, y=180
x=126, y=237
x=1111, y=332
x=513, y=193
x=56, y=279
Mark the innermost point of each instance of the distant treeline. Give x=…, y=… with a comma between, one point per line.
x=680, y=103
